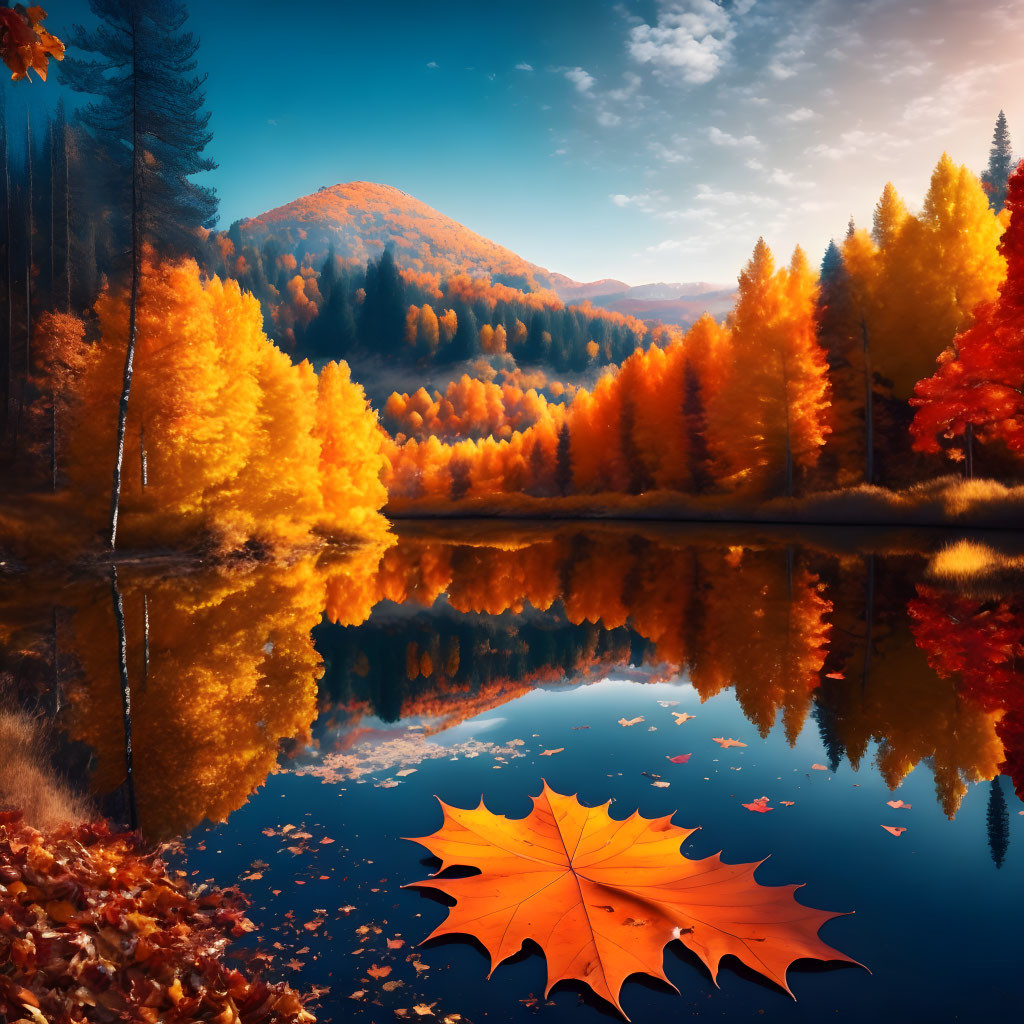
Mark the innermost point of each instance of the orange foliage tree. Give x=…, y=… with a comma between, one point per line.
x=977, y=388
x=225, y=430
x=767, y=419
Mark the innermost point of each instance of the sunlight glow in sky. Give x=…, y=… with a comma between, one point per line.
x=644, y=139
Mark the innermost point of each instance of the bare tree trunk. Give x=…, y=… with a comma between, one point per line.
x=145, y=639
x=143, y=469
x=53, y=263
x=56, y=665
x=53, y=443
x=67, y=221
x=9, y=290
x=129, y=357
x=28, y=268
x=869, y=411
x=126, y=696
x=969, y=451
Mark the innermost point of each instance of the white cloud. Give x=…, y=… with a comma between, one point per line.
x=646, y=202
x=432, y=64
x=631, y=86
x=582, y=80
x=690, y=40
x=720, y=138
x=801, y=114
x=608, y=119
x=673, y=154
x=523, y=66
x=754, y=164
x=724, y=197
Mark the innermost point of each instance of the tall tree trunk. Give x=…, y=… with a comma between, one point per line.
x=67, y=220
x=126, y=696
x=969, y=451
x=9, y=289
x=53, y=261
x=56, y=665
x=143, y=469
x=53, y=443
x=869, y=411
x=145, y=639
x=129, y=357
x=28, y=266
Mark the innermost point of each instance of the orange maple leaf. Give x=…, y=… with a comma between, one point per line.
x=603, y=898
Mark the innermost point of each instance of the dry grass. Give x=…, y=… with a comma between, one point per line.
x=27, y=782
x=967, y=563
x=946, y=501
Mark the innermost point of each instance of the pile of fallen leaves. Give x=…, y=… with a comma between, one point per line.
x=93, y=927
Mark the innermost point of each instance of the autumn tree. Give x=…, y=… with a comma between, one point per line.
x=767, y=418
x=149, y=116
x=933, y=274
x=977, y=386
x=61, y=354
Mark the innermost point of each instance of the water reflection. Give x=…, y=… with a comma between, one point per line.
x=443, y=626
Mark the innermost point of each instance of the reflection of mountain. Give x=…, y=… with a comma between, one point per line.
x=790, y=630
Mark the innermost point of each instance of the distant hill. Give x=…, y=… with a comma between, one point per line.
x=360, y=218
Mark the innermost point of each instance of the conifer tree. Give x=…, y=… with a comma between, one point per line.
x=1000, y=165
x=149, y=117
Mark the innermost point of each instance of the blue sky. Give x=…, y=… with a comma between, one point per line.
x=641, y=140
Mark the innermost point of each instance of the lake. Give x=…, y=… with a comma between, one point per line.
x=291, y=724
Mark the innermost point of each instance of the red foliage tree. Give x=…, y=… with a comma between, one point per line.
x=979, y=386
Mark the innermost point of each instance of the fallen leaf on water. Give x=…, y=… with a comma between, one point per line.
x=897, y=804
x=625, y=722
x=326, y=840
x=608, y=909
x=548, y=753
x=660, y=784
x=834, y=675
x=820, y=767
x=396, y=943
x=424, y=1010
x=680, y=758
x=390, y=986
x=786, y=803
x=896, y=830
x=682, y=716
x=379, y=972
x=724, y=743
x=760, y=805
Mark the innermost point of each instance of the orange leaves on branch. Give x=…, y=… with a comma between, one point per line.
x=24, y=44
x=603, y=898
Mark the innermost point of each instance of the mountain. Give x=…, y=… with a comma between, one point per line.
x=359, y=219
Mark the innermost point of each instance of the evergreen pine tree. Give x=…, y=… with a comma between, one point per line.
x=1000, y=165
x=149, y=118
x=998, y=822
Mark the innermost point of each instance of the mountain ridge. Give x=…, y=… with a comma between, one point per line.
x=359, y=219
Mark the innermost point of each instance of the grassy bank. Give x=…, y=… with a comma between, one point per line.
x=947, y=501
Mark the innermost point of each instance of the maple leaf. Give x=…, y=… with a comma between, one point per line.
x=897, y=804
x=896, y=830
x=627, y=722
x=726, y=743
x=679, y=758
x=682, y=716
x=603, y=897
x=760, y=805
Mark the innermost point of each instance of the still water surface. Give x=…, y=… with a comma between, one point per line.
x=853, y=675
